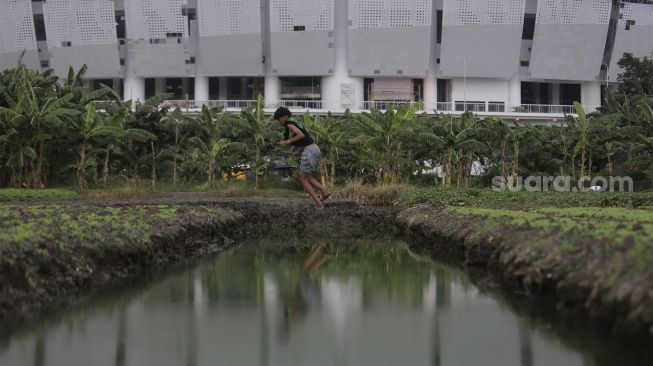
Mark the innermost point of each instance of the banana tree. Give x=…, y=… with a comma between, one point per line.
x=213, y=123
x=331, y=135
x=262, y=133
x=389, y=133
x=581, y=128
x=89, y=127
x=462, y=143
x=37, y=111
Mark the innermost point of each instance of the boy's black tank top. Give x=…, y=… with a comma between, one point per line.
x=307, y=140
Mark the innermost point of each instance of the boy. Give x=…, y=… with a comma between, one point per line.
x=296, y=135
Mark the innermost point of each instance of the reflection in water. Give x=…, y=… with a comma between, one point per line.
x=324, y=304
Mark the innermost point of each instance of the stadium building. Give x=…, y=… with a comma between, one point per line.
x=516, y=58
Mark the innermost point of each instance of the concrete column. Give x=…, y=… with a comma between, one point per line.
x=590, y=95
x=430, y=93
x=222, y=88
x=430, y=81
x=201, y=88
x=514, y=92
x=134, y=88
x=272, y=88
x=555, y=94
x=332, y=86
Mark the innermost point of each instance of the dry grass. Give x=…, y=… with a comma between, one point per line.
x=368, y=195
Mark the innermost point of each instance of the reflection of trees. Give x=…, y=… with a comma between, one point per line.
x=121, y=342
x=443, y=283
x=525, y=345
x=39, y=350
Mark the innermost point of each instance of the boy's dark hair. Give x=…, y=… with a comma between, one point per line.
x=280, y=112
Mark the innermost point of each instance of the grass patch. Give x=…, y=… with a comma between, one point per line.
x=11, y=194
x=522, y=200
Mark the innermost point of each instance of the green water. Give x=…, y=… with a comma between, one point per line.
x=273, y=303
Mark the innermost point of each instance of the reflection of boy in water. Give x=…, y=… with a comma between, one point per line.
x=307, y=290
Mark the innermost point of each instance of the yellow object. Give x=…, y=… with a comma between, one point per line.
x=239, y=175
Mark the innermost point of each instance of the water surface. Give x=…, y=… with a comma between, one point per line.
x=304, y=303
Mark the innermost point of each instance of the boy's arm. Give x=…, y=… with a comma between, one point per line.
x=297, y=135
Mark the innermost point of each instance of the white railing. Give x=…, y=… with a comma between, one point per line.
x=384, y=104
x=456, y=107
x=551, y=109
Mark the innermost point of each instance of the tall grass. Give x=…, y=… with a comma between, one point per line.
x=370, y=195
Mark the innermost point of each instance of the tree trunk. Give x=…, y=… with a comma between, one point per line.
x=153, y=166
x=502, y=162
x=211, y=172
x=81, y=167
x=105, y=169
x=332, y=183
x=174, y=171
x=256, y=170
x=582, y=162
x=609, y=165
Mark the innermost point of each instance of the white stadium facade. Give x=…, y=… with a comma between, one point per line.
x=514, y=58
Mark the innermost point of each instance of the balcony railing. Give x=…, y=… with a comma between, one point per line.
x=456, y=107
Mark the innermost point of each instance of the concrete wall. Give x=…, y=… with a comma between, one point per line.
x=568, y=52
x=479, y=89
x=388, y=50
x=480, y=50
x=302, y=53
x=230, y=55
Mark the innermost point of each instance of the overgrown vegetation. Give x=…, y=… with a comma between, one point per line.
x=56, y=132
x=486, y=198
x=12, y=194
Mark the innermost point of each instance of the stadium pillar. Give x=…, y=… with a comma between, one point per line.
x=515, y=94
x=339, y=90
x=590, y=95
x=272, y=89
x=201, y=88
x=134, y=88
x=430, y=93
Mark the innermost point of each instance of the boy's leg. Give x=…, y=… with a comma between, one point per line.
x=308, y=187
x=316, y=183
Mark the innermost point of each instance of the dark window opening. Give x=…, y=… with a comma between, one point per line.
x=190, y=61
x=150, y=88
x=301, y=88
x=99, y=83
x=120, y=25
x=39, y=27
x=439, y=26
x=66, y=44
x=443, y=91
x=122, y=62
x=418, y=89
x=367, y=88
x=524, y=63
x=214, y=88
x=45, y=63
x=173, y=35
x=299, y=28
x=174, y=86
x=529, y=27
x=535, y=93
x=569, y=93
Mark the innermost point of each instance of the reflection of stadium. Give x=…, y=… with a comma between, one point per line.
x=489, y=56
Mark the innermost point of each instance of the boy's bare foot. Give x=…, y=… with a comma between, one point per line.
x=325, y=196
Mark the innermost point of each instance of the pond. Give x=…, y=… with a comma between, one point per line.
x=272, y=302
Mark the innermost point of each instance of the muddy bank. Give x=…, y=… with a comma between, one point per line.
x=586, y=277
x=52, y=251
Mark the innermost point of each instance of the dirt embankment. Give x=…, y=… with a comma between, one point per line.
x=52, y=251
x=568, y=266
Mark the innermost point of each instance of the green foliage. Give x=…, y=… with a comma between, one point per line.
x=486, y=198
x=11, y=194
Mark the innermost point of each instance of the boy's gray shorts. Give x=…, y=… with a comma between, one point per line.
x=310, y=161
